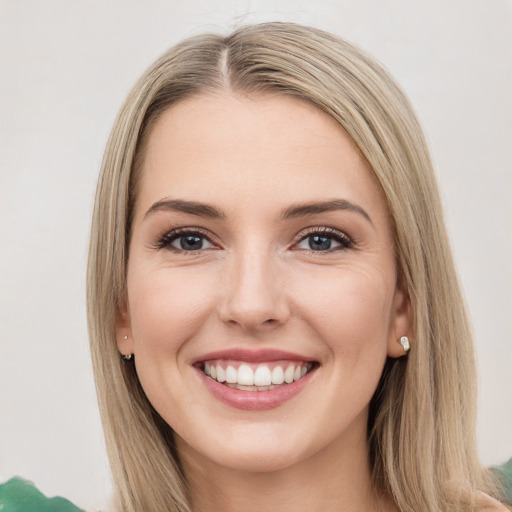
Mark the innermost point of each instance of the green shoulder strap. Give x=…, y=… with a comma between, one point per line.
x=18, y=495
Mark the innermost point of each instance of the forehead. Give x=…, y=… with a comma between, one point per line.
x=225, y=146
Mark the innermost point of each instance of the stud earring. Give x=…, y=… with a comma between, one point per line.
x=125, y=337
x=404, y=341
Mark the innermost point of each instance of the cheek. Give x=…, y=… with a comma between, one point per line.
x=351, y=309
x=167, y=306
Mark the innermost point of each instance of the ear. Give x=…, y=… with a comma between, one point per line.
x=401, y=322
x=123, y=331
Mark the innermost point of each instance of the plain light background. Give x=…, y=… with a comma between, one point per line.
x=66, y=66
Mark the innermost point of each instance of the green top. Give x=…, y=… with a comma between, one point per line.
x=504, y=473
x=18, y=495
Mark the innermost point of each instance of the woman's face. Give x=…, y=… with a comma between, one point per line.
x=262, y=298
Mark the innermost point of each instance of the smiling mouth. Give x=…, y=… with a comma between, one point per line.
x=256, y=376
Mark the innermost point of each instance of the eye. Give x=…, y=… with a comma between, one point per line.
x=185, y=241
x=324, y=240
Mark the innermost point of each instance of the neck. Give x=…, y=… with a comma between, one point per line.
x=336, y=478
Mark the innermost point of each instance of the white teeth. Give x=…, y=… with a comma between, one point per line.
x=245, y=375
x=277, y=375
x=251, y=388
x=221, y=374
x=288, y=374
x=260, y=379
x=231, y=375
x=262, y=376
x=245, y=388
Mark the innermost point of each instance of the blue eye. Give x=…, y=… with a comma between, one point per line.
x=319, y=243
x=324, y=241
x=185, y=241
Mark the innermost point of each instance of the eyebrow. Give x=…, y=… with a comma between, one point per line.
x=304, y=209
x=190, y=207
x=293, y=211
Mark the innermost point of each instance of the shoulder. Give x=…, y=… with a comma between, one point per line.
x=503, y=474
x=488, y=504
x=18, y=495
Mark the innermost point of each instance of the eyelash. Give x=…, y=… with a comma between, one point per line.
x=168, y=238
x=346, y=242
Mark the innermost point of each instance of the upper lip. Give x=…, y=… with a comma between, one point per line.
x=252, y=356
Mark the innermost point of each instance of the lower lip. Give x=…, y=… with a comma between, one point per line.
x=254, y=400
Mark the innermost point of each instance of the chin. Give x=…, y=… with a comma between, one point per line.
x=254, y=460
x=249, y=452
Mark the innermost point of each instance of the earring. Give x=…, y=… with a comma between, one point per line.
x=404, y=341
x=126, y=357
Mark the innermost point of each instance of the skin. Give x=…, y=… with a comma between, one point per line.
x=258, y=284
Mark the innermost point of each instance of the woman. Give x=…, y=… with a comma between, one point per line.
x=274, y=314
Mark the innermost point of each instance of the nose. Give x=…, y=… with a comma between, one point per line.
x=253, y=296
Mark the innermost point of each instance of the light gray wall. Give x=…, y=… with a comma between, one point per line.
x=65, y=67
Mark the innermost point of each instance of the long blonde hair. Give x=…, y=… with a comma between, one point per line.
x=422, y=416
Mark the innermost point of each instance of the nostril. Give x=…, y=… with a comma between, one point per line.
x=253, y=324
x=253, y=298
